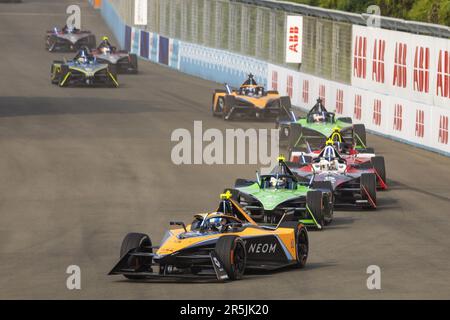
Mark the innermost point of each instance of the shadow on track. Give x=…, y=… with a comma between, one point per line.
x=33, y=106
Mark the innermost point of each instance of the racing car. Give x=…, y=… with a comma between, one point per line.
x=83, y=70
x=222, y=244
x=68, y=39
x=271, y=196
x=317, y=127
x=250, y=100
x=124, y=61
x=351, y=185
x=357, y=160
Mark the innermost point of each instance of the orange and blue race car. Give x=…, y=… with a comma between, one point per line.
x=251, y=100
x=222, y=245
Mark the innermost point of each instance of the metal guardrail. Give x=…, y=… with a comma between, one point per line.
x=415, y=27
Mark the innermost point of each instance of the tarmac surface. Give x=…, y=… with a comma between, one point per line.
x=81, y=167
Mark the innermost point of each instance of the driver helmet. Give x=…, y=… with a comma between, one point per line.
x=329, y=153
x=218, y=223
x=250, y=91
x=280, y=183
x=83, y=56
x=317, y=117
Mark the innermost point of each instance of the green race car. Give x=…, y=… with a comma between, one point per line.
x=280, y=193
x=312, y=131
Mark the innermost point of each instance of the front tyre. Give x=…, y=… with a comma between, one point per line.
x=231, y=252
x=369, y=189
x=136, y=242
x=302, y=246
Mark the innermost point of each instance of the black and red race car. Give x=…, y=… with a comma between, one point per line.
x=357, y=159
x=352, y=184
x=69, y=39
x=124, y=61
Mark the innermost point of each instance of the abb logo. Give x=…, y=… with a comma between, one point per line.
x=443, y=129
x=398, y=117
x=294, y=38
x=359, y=57
x=357, y=109
x=289, y=86
x=339, y=101
x=322, y=93
x=400, y=65
x=305, y=92
x=443, y=74
x=422, y=69
x=376, y=119
x=274, y=80
x=420, y=123
x=379, y=47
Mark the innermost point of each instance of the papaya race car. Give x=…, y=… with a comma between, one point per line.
x=317, y=127
x=68, y=39
x=124, y=61
x=250, y=100
x=351, y=185
x=222, y=244
x=83, y=70
x=271, y=196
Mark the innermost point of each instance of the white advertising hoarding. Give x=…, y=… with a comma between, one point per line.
x=294, y=39
x=140, y=12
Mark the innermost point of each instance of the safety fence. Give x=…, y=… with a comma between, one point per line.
x=396, y=83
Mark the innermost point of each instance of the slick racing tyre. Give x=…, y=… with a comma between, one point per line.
x=314, y=201
x=301, y=241
x=91, y=42
x=136, y=242
x=302, y=246
x=328, y=199
x=112, y=69
x=63, y=73
x=379, y=166
x=232, y=254
x=369, y=189
x=359, y=133
x=133, y=63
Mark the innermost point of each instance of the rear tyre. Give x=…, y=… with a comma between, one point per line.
x=295, y=132
x=314, y=201
x=133, y=63
x=136, y=242
x=231, y=252
x=379, y=166
x=359, y=133
x=92, y=42
x=112, y=69
x=369, y=188
x=218, y=108
x=345, y=119
x=63, y=72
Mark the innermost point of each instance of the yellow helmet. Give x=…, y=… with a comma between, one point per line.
x=329, y=142
x=105, y=38
x=281, y=158
x=225, y=196
x=336, y=129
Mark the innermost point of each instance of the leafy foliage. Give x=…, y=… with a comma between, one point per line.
x=433, y=11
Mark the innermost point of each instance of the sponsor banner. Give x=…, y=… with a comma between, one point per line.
x=294, y=39
x=174, y=54
x=140, y=12
x=416, y=123
x=135, y=43
x=405, y=65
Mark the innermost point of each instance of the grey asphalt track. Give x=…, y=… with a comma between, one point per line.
x=81, y=167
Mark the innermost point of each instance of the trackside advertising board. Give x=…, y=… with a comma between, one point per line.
x=294, y=39
x=140, y=12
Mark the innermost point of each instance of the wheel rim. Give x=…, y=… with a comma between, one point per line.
x=239, y=258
